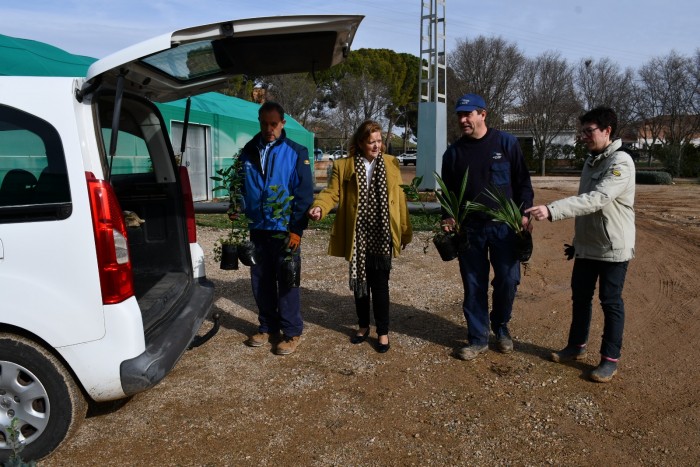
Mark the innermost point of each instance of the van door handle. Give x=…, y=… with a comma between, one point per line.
x=2, y=251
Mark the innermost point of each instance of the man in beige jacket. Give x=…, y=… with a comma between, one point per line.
x=603, y=240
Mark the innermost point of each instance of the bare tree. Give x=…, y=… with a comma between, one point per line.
x=296, y=93
x=488, y=67
x=668, y=93
x=358, y=97
x=604, y=83
x=548, y=101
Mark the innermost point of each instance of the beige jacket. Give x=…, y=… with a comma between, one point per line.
x=343, y=190
x=604, y=207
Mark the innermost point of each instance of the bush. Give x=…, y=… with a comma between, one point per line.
x=653, y=178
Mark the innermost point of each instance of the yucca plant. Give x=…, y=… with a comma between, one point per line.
x=449, y=244
x=509, y=213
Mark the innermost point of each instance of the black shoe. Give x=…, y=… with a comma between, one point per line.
x=568, y=354
x=359, y=339
x=383, y=348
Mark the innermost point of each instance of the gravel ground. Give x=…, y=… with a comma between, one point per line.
x=333, y=403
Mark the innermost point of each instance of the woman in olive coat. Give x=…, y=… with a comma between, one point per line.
x=371, y=225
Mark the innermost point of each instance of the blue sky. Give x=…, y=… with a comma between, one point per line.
x=629, y=32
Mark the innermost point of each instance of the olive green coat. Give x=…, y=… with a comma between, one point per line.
x=343, y=191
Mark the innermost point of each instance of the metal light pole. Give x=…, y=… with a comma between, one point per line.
x=432, y=116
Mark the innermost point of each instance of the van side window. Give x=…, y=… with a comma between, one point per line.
x=33, y=176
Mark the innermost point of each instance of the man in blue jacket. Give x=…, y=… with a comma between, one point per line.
x=273, y=164
x=495, y=162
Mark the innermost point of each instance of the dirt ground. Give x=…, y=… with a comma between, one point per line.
x=333, y=403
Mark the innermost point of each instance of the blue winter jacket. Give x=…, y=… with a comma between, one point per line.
x=287, y=167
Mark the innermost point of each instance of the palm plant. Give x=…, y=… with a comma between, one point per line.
x=510, y=214
x=449, y=244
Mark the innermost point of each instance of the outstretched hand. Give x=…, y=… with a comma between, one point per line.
x=314, y=213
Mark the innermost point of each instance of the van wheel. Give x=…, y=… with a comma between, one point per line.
x=37, y=390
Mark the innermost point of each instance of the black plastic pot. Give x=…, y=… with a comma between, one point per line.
x=447, y=245
x=290, y=273
x=523, y=246
x=229, y=257
x=246, y=253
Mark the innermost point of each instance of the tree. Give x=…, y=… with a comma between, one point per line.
x=548, y=101
x=488, y=67
x=667, y=105
x=296, y=93
x=603, y=83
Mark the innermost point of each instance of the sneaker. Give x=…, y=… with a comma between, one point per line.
x=288, y=345
x=569, y=353
x=604, y=372
x=257, y=340
x=504, y=343
x=471, y=351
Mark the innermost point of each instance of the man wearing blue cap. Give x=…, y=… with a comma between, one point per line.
x=495, y=162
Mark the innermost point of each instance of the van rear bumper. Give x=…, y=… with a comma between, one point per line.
x=173, y=337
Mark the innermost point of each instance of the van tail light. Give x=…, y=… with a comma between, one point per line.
x=108, y=224
x=188, y=203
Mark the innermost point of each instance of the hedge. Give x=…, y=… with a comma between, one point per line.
x=648, y=177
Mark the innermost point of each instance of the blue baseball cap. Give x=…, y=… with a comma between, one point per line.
x=469, y=102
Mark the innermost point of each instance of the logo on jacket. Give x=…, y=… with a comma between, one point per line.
x=496, y=155
x=616, y=172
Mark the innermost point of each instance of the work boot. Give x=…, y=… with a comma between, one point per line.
x=471, y=351
x=288, y=345
x=604, y=372
x=504, y=343
x=257, y=340
x=569, y=353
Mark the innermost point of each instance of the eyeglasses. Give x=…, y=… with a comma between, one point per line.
x=589, y=131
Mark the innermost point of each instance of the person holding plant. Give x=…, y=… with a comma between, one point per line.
x=603, y=242
x=495, y=163
x=371, y=225
x=274, y=167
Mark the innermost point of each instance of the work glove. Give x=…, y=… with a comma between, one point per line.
x=569, y=251
x=294, y=241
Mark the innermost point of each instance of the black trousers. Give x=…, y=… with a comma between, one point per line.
x=378, y=293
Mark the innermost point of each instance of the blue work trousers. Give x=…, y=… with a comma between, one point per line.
x=611, y=279
x=279, y=306
x=491, y=245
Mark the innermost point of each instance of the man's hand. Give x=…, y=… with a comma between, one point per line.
x=569, y=251
x=448, y=224
x=294, y=241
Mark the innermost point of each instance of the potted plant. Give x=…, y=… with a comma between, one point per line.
x=281, y=205
x=450, y=244
x=509, y=213
x=235, y=245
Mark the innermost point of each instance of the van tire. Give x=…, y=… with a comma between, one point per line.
x=28, y=368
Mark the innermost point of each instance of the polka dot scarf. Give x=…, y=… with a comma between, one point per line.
x=372, y=242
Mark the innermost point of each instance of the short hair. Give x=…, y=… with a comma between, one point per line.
x=603, y=117
x=362, y=133
x=271, y=106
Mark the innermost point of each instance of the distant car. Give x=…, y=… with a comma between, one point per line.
x=408, y=157
x=338, y=154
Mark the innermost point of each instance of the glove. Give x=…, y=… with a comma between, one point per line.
x=569, y=251
x=294, y=241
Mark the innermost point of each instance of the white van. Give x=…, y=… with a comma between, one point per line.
x=102, y=282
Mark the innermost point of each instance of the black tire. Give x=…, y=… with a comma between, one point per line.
x=30, y=371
